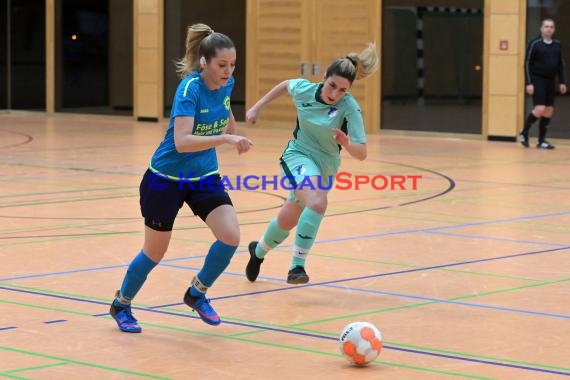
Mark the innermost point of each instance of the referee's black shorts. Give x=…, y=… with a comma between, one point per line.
x=544, y=91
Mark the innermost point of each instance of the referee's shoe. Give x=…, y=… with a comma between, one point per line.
x=523, y=138
x=545, y=145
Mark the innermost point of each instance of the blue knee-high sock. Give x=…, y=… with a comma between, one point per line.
x=217, y=260
x=136, y=275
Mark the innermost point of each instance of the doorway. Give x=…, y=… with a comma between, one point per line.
x=22, y=55
x=94, y=56
x=229, y=19
x=432, y=54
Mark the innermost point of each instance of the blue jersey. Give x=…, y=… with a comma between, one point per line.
x=211, y=112
x=315, y=119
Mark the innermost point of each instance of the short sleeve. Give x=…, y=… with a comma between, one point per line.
x=296, y=86
x=355, y=123
x=186, y=99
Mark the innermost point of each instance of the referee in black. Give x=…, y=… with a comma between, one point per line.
x=543, y=63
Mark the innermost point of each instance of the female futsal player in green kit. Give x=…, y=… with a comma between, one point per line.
x=328, y=120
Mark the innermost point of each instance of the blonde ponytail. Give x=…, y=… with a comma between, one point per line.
x=366, y=62
x=191, y=60
x=355, y=66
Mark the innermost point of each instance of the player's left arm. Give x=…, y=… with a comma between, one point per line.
x=355, y=149
x=354, y=140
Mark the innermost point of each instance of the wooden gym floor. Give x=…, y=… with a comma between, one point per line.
x=468, y=276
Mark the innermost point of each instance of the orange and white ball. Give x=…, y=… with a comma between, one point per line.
x=360, y=343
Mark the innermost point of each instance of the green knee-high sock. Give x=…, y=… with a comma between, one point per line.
x=307, y=229
x=273, y=236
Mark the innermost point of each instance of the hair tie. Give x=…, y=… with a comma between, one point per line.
x=351, y=60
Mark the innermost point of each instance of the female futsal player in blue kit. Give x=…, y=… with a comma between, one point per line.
x=201, y=119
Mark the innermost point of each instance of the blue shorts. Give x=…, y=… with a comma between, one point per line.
x=161, y=198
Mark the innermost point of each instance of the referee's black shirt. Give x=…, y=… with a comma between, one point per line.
x=544, y=60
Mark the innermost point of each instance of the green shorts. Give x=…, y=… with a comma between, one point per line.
x=298, y=166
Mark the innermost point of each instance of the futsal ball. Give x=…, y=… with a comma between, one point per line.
x=360, y=343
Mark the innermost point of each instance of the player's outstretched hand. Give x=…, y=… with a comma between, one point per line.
x=252, y=115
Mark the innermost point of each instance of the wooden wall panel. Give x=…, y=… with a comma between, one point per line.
x=501, y=111
x=348, y=27
x=504, y=6
x=505, y=28
x=503, y=75
x=503, y=85
x=148, y=54
x=282, y=35
x=275, y=35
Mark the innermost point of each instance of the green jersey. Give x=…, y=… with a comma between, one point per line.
x=316, y=119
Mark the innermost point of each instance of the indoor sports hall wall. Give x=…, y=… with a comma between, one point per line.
x=448, y=65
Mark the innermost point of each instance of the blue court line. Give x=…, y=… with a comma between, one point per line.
x=55, y=321
x=527, y=368
x=392, y=294
x=313, y=335
x=495, y=238
x=400, y=272
x=93, y=269
x=8, y=328
x=441, y=300
x=389, y=347
x=473, y=224
x=361, y=237
x=329, y=283
x=306, y=334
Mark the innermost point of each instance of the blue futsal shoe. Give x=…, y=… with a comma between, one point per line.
x=124, y=318
x=202, y=306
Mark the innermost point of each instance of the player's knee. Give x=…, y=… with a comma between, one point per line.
x=230, y=237
x=318, y=204
x=548, y=111
x=539, y=111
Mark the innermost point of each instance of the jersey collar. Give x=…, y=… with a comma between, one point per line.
x=318, y=96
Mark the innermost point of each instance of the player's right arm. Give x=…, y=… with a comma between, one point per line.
x=253, y=113
x=186, y=141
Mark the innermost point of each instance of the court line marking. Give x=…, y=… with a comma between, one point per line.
x=324, y=241
x=403, y=348
x=34, y=368
x=81, y=363
x=496, y=238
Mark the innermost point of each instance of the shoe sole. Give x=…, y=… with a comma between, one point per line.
x=129, y=331
x=139, y=330
x=524, y=142
x=204, y=319
x=207, y=321
x=298, y=280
